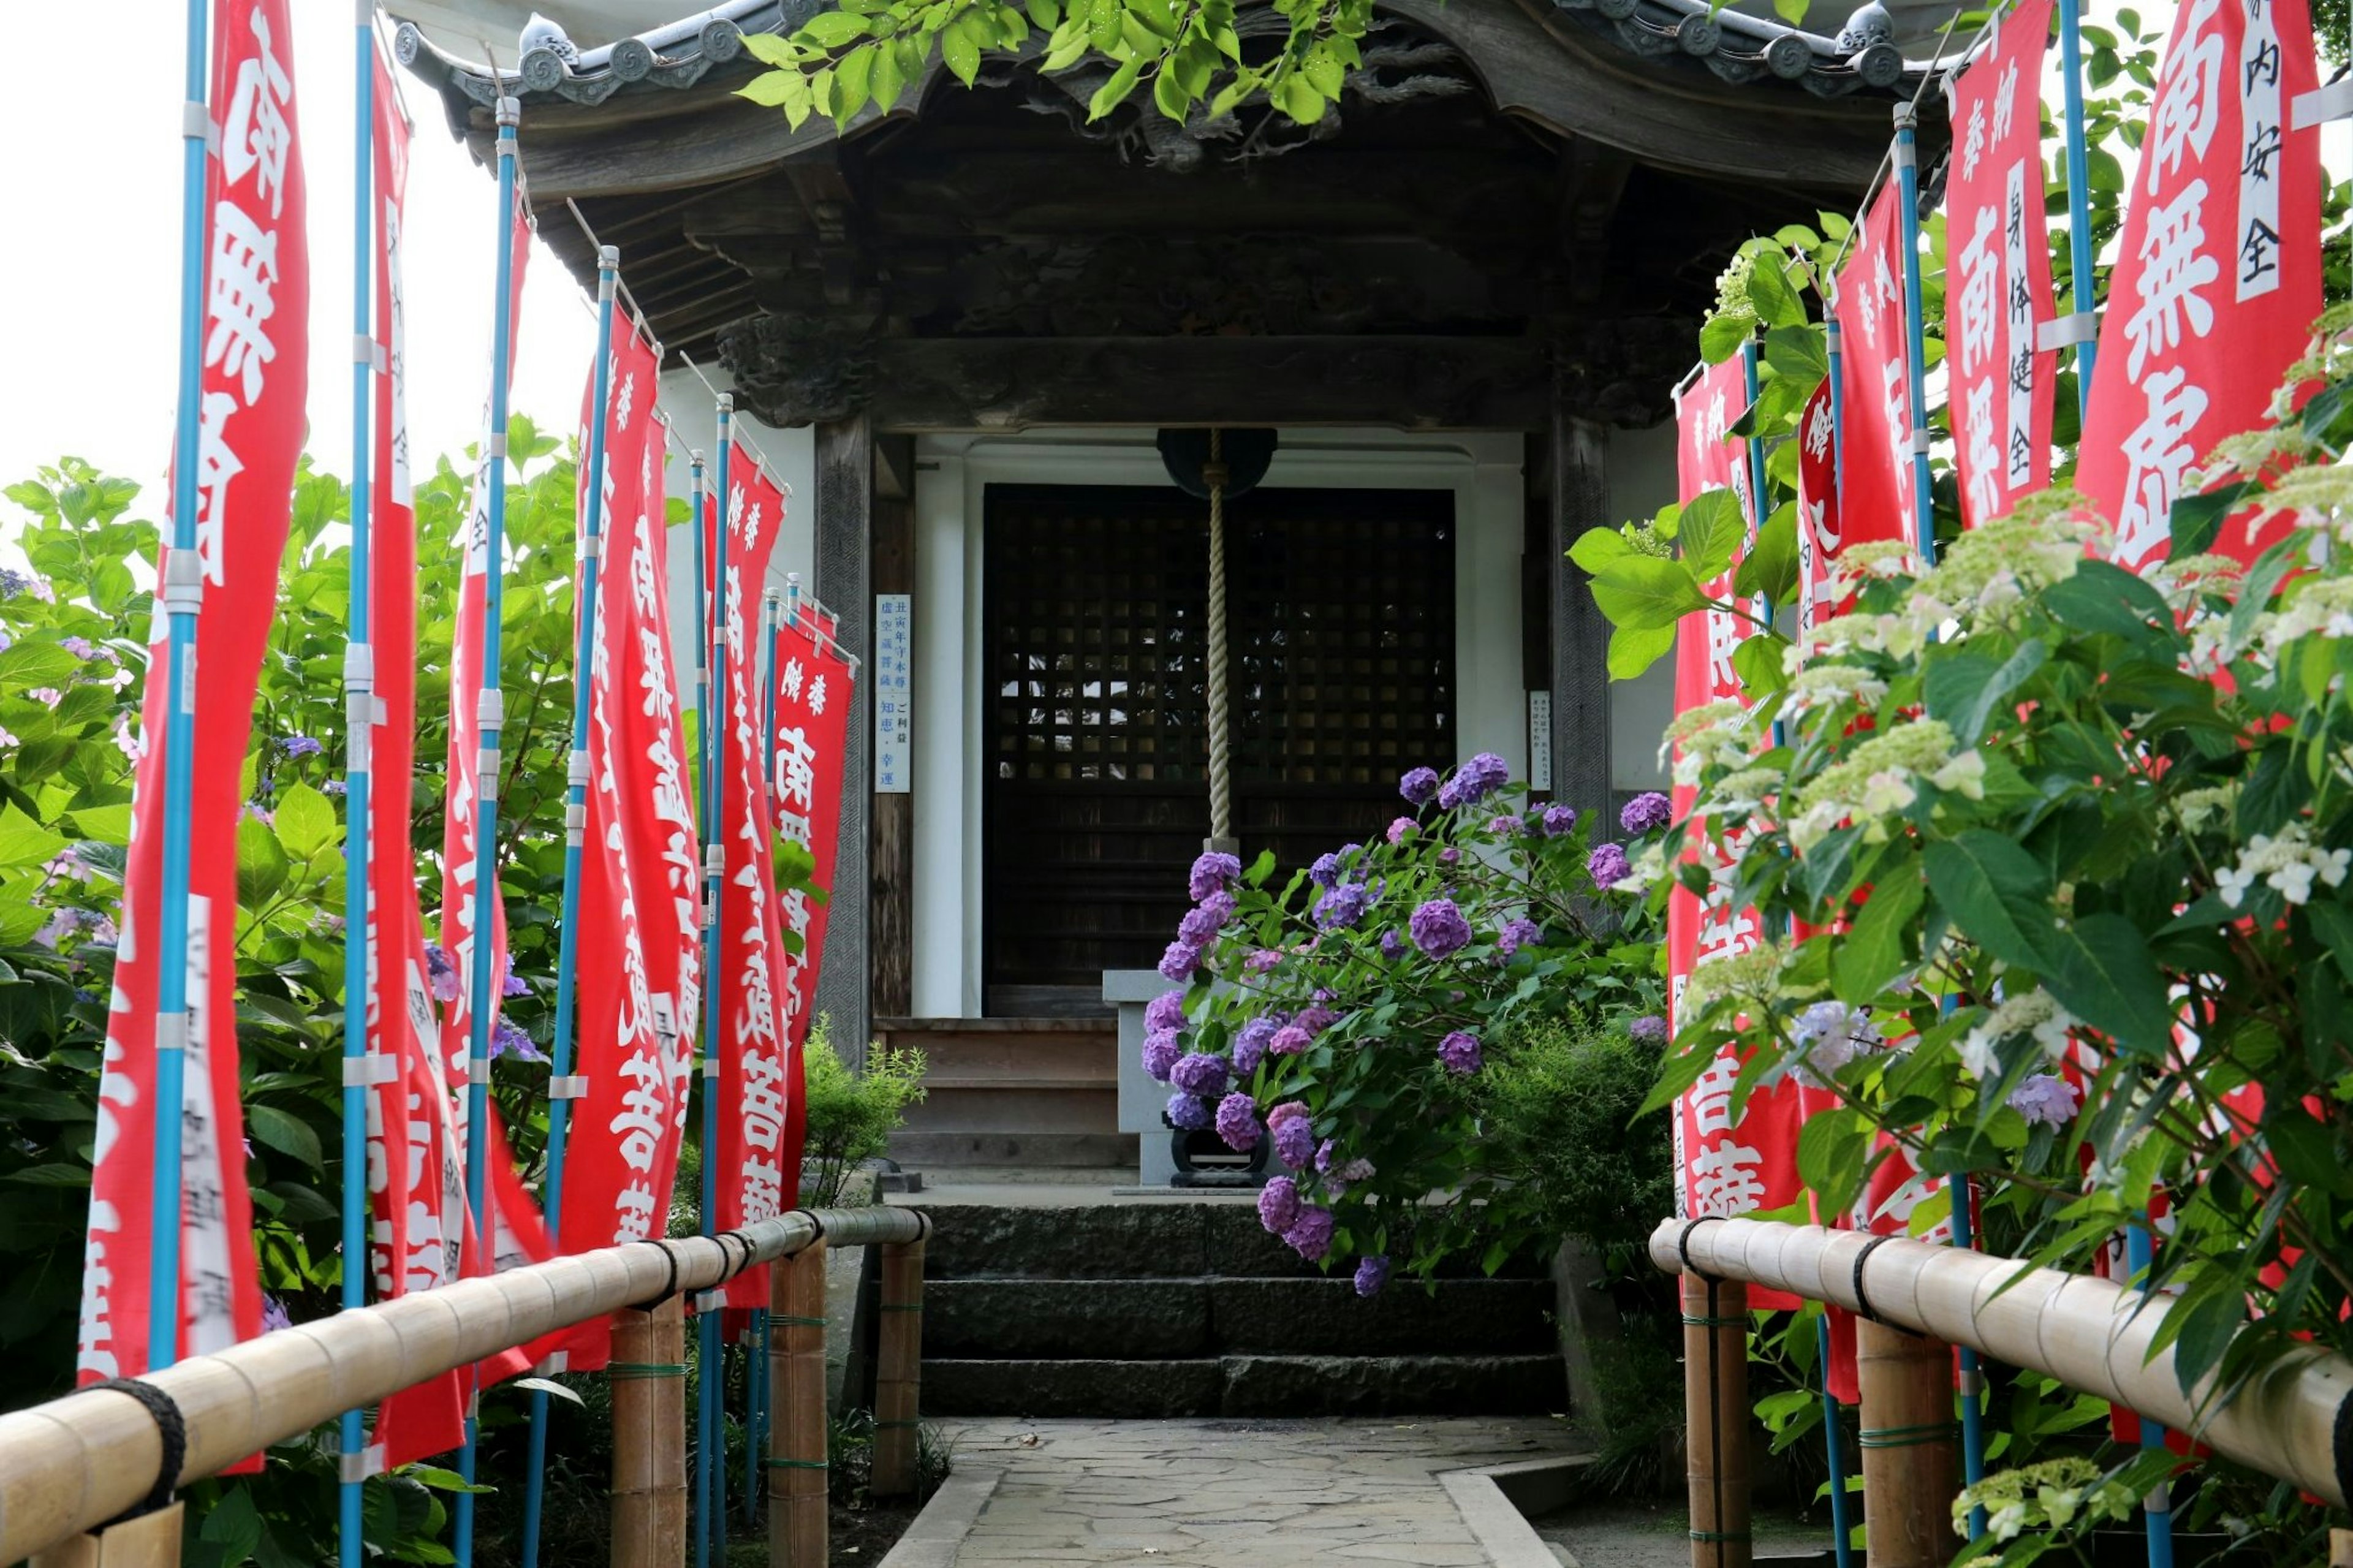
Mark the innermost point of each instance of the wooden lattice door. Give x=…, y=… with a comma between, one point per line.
x=1341, y=669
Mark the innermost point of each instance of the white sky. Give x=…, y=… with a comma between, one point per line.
x=91, y=271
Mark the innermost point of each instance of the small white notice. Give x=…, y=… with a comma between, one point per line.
x=1540, y=740
x=894, y=712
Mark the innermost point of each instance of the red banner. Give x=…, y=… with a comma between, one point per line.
x=415, y=1168
x=641, y=925
x=2217, y=278
x=1723, y=1166
x=250, y=414
x=1819, y=518
x=755, y=1092
x=1875, y=380
x=813, y=691
x=1998, y=284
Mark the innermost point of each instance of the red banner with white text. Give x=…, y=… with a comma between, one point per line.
x=755, y=1094
x=1875, y=479
x=639, y=982
x=813, y=691
x=1998, y=284
x=250, y=417
x=1723, y=1166
x=2217, y=277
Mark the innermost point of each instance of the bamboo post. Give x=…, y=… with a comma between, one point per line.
x=150, y=1540
x=797, y=1475
x=1911, y=1461
x=1715, y=1415
x=899, y=1368
x=2340, y=1549
x=648, y=1374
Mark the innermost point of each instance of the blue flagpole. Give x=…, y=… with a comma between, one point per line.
x=182, y=591
x=2079, y=201
x=758, y=1444
x=359, y=724
x=710, y=1462
x=562, y=1087
x=2157, y=1508
x=491, y=720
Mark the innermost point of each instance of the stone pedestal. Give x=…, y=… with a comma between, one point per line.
x=1141, y=1097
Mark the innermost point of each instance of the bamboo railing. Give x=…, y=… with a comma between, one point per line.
x=2293, y=1420
x=71, y=1465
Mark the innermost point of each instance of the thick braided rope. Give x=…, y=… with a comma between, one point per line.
x=1221, y=786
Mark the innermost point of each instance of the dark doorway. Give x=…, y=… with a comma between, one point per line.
x=1341, y=669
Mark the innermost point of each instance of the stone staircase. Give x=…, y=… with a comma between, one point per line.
x=1149, y=1308
x=1012, y=1093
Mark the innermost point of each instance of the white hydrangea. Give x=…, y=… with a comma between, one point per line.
x=2290, y=863
x=2032, y=1012
x=1648, y=867
x=2324, y=608
x=1824, y=685
x=2201, y=808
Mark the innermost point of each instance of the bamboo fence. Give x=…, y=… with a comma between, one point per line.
x=74, y=1463
x=2293, y=1420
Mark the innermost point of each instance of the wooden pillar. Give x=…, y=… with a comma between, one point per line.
x=1580, y=634
x=797, y=1474
x=892, y=930
x=150, y=1540
x=647, y=1374
x=845, y=521
x=898, y=1370
x=1911, y=1449
x=1717, y=1419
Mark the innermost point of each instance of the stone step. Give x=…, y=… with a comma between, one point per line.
x=1136, y=1319
x=945, y=1149
x=1142, y=1239
x=1042, y=1107
x=1012, y=1049
x=1248, y=1385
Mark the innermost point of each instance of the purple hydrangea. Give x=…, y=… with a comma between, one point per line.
x=1646, y=813
x=1179, y=962
x=1474, y=781
x=1251, y=1041
x=1439, y=929
x=1372, y=1273
x=1505, y=827
x=507, y=1040
x=1344, y=906
x=1166, y=1011
x=1278, y=1203
x=1161, y=1049
x=1516, y=934
x=1607, y=864
x=1309, y=1235
x=1650, y=1027
x=2045, y=1099
x=1326, y=871
x=1325, y=1153
x=1238, y=1122
x=1290, y=1040
x=1392, y=946
x=1295, y=1135
x=1420, y=786
x=1316, y=1019
x=1399, y=830
x=1559, y=821
x=301, y=745
x=80, y=647
x=1213, y=872
x=1460, y=1051
x=1449, y=856
x=1200, y=1073
x=1262, y=961
x=440, y=974
x=13, y=582
x=274, y=1315
x=510, y=984
x=1190, y=1113
x=333, y=788
x=1199, y=927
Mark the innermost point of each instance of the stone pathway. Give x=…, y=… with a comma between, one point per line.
x=1231, y=1493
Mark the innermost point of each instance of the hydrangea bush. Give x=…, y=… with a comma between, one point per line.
x=1348, y=1014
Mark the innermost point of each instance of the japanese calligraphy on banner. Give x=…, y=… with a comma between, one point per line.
x=1723, y=1166
x=640, y=923
x=813, y=691
x=417, y=1182
x=755, y=1091
x=1819, y=519
x=250, y=417
x=1876, y=499
x=894, y=687
x=1997, y=287
x=2217, y=278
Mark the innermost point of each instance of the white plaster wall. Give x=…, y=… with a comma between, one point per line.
x=1485, y=473
x=1641, y=476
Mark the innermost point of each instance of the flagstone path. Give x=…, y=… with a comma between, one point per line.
x=1217, y=1493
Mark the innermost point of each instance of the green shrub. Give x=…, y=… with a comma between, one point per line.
x=851, y=1115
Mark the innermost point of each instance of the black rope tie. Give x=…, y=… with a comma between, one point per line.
x=171, y=1429
x=742, y=1240
x=1863, y=1307
x=669, y=1286
x=1682, y=1247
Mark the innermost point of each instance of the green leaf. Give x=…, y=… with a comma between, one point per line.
x=1872, y=951
x=260, y=862
x=1776, y=303
x=1757, y=662
x=1645, y=592
x=1722, y=336
x=2101, y=598
x=961, y=53
x=770, y=88
x=286, y=1133
x=1770, y=570
x=1833, y=1155
x=1633, y=649
x=1994, y=892
x=25, y=842
x=2198, y=517
x=50, y=1176
x=305, y=820
x=1112, y=93
x=1596, y=547
x=103, y=824
x=1711, y=533
x=831, y=29
x=1045, y=15
x=2101, y=970
x=770, y=49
